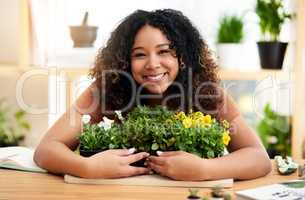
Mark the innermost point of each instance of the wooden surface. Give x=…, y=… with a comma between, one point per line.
x=27, y=185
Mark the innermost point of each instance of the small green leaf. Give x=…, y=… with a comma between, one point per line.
x=154, y=146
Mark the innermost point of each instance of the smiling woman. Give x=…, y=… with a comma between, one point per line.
x=155, y=58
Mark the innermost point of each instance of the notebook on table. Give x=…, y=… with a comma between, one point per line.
x=290, y=190
x=18, y=158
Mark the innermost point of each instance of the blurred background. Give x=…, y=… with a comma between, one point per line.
x=47, y=47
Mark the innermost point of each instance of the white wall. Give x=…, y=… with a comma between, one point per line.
x=9, y=34
x=35, y=89
x=34, y=95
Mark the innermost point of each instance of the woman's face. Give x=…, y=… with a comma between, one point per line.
x=153, y=64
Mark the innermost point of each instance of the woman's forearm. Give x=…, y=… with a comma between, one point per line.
x=245, y=163
x=58, y=158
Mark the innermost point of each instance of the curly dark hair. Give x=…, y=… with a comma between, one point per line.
x=192, y=53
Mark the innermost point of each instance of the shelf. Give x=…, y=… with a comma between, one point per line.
x=256, y=75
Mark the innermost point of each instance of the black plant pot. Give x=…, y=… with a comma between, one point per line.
x=86, y=153
x=141, y=163
x=272, y=54
x=272, y=153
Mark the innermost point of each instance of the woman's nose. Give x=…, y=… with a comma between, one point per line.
x=153, y=62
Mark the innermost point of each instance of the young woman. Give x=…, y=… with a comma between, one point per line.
x=153, y=58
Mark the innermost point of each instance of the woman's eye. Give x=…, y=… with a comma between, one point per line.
x=164, y=51
x=139, y=55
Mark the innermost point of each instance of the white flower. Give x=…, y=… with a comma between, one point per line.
x=119, y=114
x=86, y=119
x=272, y=139
x=106, y=123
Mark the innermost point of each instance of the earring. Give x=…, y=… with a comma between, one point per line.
x=182, y=65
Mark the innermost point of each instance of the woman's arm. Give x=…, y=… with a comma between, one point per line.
x=247, y=159
x=55, y=151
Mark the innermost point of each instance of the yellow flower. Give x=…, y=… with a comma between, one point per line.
x=187, y=122
x=226, y=138
x=206, y=120
x=180, y=116
x=197, y=115
x=225, y=124
x=195, y=122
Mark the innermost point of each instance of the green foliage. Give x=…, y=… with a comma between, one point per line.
x=271, y=18
x=275, y=132
x=12, y=130
x=295, y=184
x=230, y=30
x=155, y=129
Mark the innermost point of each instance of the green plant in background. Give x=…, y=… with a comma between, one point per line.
x=271, y=15
x=12, y=128
x=158, y=129
x=230, y=30
x=275, y=132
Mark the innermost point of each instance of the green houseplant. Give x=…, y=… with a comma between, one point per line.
x=272, y=16
x=230, y=34
x=12, y=129
x=230, y=29
x=157, y=129
x=275, y=132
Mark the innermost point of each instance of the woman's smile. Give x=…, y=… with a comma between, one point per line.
x=155, y=77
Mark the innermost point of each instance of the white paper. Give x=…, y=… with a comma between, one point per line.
x=20, y=158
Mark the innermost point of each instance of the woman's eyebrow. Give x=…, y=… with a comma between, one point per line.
x=136, y=48
x=158, y=46
x=162, y=45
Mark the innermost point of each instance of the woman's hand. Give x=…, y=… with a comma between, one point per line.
x=178, y=165
x=115, y=164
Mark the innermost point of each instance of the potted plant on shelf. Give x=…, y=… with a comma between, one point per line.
x=156, y=129
x=275, y=132
x=83, y=35
x=229, y=41
x=271, y=15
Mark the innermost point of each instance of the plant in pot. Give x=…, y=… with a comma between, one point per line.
x=275, y=132
x=156, y=129
x=229, y=41
x=193, y=194
x=83, y=35
x=12, y=129
x=271, y=15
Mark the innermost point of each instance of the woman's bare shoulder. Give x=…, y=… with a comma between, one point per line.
x=89, y=102
x=229, y=109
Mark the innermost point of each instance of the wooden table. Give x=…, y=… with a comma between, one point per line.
x=27, y=185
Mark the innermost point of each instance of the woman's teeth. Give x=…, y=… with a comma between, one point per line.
x=155, y=77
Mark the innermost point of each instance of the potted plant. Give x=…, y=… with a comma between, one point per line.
x=271, y=15
x=156, y=129
x=229, y=37
x=275, y=132
x=12, y=129
x=83, y=35
x=193, y=194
